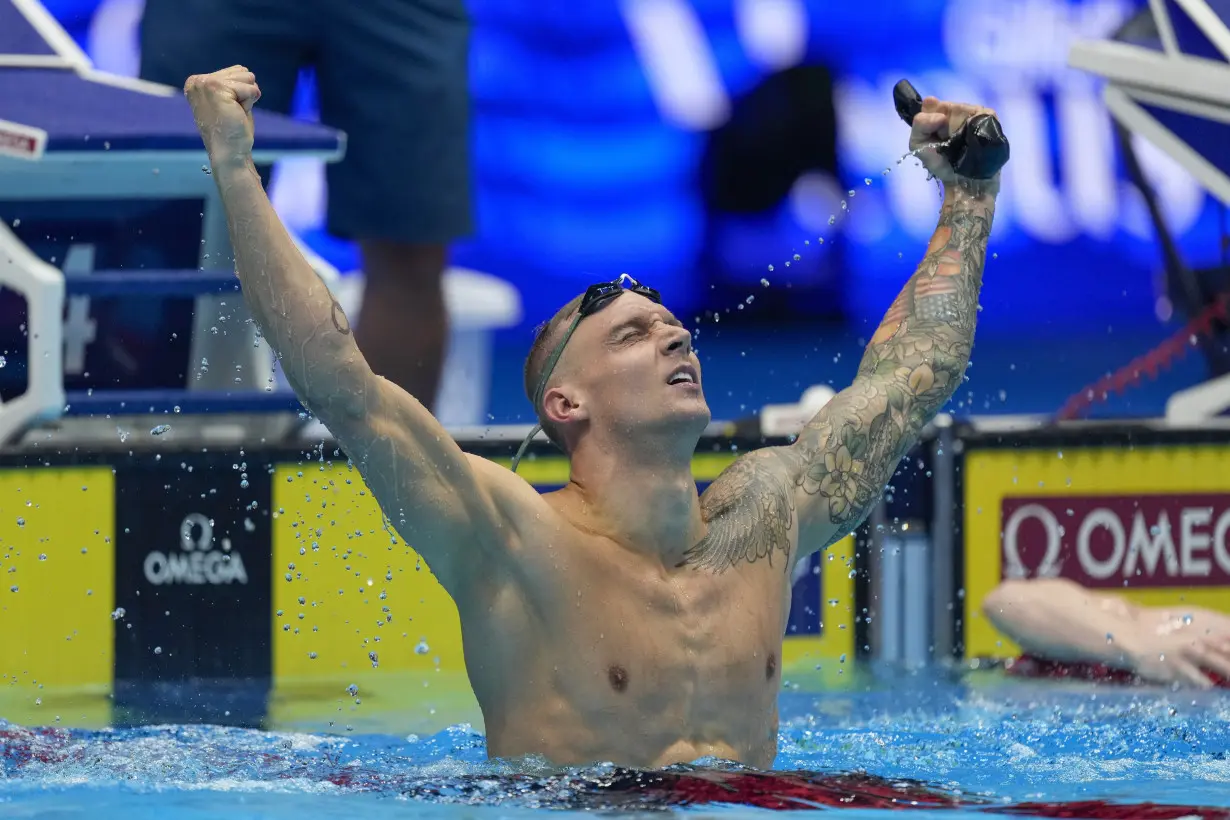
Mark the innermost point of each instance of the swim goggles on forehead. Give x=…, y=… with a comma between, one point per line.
x=595, y=299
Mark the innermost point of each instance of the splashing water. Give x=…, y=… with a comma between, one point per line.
x=981, y=744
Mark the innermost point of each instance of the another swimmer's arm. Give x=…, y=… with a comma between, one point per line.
x=914, y=363
x=1062, y=621
x=423, y=481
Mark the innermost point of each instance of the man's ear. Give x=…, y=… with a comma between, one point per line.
x=563, y=406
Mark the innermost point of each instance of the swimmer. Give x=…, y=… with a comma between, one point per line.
x=623, y=618
x=1069, y=631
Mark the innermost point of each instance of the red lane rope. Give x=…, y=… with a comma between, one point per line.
x=1148, y=365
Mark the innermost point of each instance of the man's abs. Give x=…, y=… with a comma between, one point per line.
x=629, y=667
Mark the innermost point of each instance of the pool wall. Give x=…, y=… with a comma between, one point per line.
x=184, y=584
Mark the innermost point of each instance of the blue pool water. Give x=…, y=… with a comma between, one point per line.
x=981, y=737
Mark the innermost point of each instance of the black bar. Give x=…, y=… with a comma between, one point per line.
x=140, y=402
x=105, y=283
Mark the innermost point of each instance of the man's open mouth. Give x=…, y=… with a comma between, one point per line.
x=684, y=374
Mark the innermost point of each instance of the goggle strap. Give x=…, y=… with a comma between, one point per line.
x=552, y=361
x=524, y=446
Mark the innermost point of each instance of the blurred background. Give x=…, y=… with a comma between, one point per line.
x=159, y=497
x=707, y=146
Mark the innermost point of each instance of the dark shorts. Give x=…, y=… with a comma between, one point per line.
x=392, y=74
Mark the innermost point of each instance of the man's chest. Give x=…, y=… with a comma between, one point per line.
x=681, y=639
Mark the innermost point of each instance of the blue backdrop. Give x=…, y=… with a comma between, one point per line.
x=591, y=121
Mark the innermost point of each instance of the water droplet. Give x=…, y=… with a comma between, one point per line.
x=374, y=658
x=797, y=257
x=1187, y=619
x=119, y=612
x=832, y=220
x=312, y=656
x=13, y=588
x=206, y=169
x=3, y=361
x=21, y=522
x=1110, y=638
x=422, y=648
x=352, y=689
x=160, y=429
x=867, y=180
x=764, y=283
x=157, y=650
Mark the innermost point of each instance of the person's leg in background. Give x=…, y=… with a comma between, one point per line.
x=393, y=75
x=273, y=38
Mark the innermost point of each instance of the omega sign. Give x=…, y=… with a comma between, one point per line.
x=1103, y=541
x=196, y=562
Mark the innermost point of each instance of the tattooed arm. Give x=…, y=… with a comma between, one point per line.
x=434, y=495
x=914, y=363
x=832, y=476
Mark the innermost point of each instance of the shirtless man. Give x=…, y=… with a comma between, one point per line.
x=622, y=618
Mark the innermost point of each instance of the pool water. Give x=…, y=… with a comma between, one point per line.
x=941, y=744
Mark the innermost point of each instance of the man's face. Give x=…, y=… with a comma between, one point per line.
x=630, y=367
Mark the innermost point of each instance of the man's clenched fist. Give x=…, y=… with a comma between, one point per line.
x=936, y=122
x=222, y=107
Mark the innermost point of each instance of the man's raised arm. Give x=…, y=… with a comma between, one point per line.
x=423, y=481
x=914, y=363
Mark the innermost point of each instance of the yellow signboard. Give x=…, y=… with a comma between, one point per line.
x=57, y=592
x=1149, y=523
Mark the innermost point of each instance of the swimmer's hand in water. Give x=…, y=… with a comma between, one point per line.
x=1179, y=656
x=936, y=122
x=222, y=107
